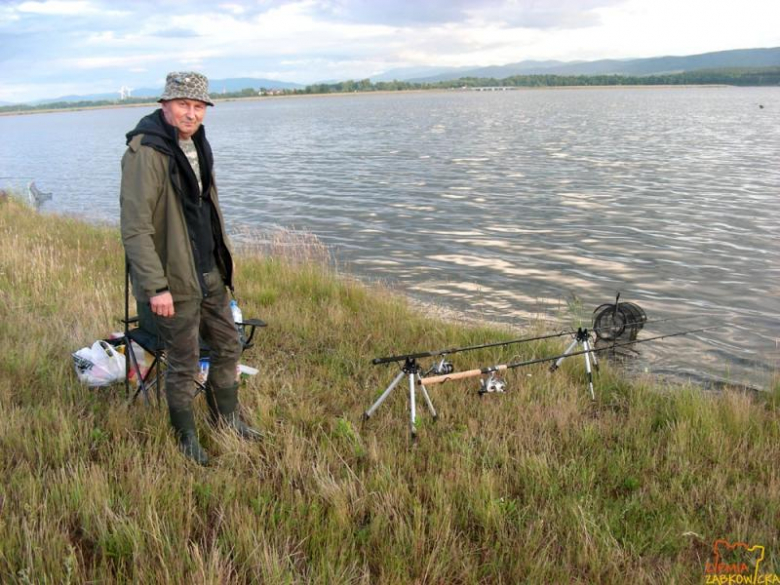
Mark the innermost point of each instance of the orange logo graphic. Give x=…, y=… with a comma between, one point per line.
x=737, y=564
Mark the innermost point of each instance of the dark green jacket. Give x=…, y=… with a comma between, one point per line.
x=157, y=242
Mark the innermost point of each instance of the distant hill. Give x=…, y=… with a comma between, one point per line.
x=651, y=66
x=93, y=97
x=720, y=60
x=216, y=86
x=406, y=73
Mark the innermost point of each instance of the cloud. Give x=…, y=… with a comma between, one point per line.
x=136, y=42
x=75, y=8
x=506, y=13
x=234, y=8
x=56, y=7
x=110, y=62
x=176, y=33
x=20, y=92
x=133, y=61
x=8, y=15
x=561, y=14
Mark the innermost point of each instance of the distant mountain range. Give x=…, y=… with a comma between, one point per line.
x=217, y=86
x=740, y=58
x=639, y=67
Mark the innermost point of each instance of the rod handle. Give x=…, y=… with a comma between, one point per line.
x=460, y=375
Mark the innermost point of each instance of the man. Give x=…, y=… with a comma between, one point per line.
x=180, y=262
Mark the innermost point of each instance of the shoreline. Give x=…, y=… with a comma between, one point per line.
x=153, y=102
x=312, y=250
x=278, y=246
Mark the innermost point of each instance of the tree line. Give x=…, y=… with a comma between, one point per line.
x=763, y=76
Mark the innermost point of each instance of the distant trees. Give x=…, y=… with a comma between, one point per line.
x=757, y=76
x=742, y=77
x=74, y=105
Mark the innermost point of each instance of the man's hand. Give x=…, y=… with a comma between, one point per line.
x=162, y=304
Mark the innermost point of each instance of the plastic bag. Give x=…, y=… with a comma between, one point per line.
x=140, y=355
x=140, y=358
x=99, y=365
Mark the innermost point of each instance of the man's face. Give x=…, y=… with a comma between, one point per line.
x=186, y=115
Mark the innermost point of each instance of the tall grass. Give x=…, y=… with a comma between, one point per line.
x=538, y=485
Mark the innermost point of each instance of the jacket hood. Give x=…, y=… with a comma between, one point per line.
x=158, y=133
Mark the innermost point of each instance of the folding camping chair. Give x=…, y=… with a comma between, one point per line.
x=142, y=330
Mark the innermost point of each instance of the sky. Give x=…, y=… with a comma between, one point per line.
x=52, y=48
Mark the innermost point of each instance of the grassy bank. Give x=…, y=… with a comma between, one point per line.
x=538, y=485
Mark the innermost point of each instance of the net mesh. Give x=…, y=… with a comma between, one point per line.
x=618, y=321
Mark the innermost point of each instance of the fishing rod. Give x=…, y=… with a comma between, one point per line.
x=610, y=322
x=502, y=367
x=442, y=352
x=425, y=354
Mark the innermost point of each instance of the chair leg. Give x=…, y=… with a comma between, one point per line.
x=137, y=368
x=157, y=376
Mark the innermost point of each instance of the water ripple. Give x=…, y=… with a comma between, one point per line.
x=503, y=205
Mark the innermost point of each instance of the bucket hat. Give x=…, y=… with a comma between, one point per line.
x=186, y=85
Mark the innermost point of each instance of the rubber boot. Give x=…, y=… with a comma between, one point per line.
x=223, y=405
x=183, y=422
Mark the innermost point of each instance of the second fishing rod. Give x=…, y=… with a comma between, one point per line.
x=452, y=350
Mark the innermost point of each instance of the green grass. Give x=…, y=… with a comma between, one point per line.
x=538, y=485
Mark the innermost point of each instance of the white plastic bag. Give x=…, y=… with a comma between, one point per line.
x=99, y=365
x=142, y=357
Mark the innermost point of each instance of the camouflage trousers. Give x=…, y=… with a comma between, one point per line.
x=208, y=319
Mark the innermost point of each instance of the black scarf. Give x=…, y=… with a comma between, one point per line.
x=196, y=203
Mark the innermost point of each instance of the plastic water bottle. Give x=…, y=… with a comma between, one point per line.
x=203, y=370
x=238, y=317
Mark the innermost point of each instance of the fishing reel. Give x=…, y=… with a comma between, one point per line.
x=491, y=384
x=441, y=368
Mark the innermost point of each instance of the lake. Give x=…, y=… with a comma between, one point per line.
x=508, y=206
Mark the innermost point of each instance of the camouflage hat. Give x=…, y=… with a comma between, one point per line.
x=186, y=85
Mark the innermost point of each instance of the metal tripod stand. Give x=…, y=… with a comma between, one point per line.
x=410, y=369
x=582, y=340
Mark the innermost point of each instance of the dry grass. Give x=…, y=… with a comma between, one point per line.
x=538, y=485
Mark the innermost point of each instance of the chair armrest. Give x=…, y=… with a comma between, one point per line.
x=252, y=324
